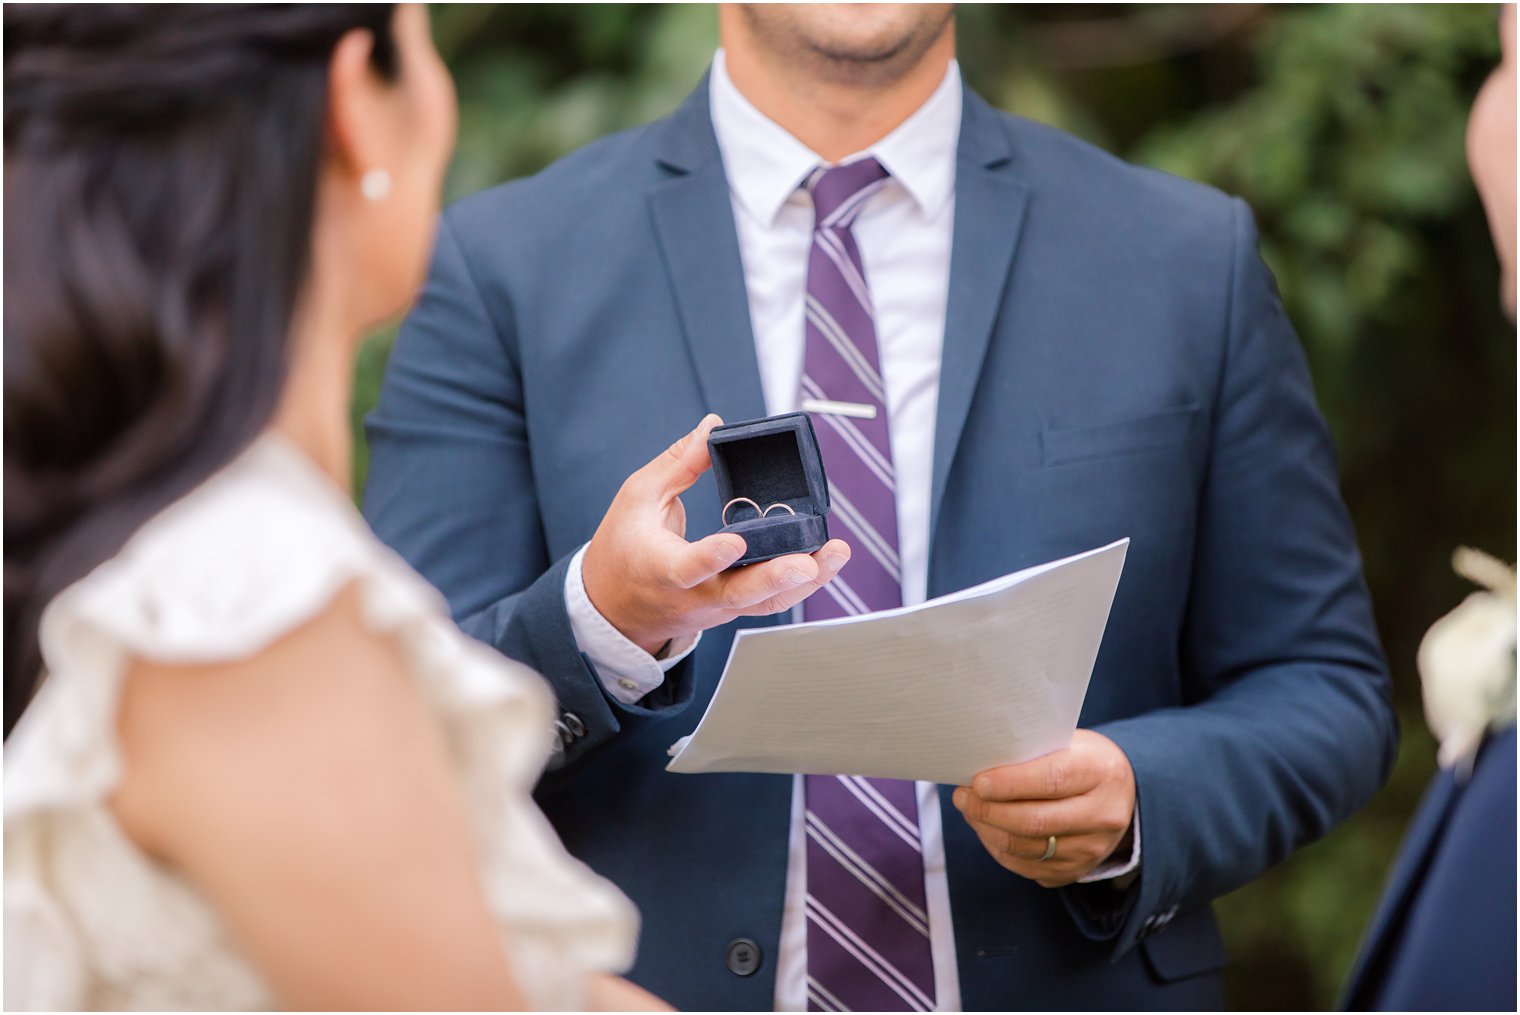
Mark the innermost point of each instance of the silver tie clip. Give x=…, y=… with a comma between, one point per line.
x=856, y=410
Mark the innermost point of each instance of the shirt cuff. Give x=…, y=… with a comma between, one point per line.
x=1116, y=868
x=627, y=672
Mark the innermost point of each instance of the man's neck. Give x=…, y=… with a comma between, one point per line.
x=833, y=115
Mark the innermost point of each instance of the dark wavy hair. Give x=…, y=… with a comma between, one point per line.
x=161, y=169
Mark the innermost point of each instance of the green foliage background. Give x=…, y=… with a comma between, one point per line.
x=1343, y=127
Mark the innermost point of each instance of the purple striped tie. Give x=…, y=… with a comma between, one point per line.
x=868, y=924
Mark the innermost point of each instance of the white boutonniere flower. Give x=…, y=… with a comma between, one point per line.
x=1467, y=662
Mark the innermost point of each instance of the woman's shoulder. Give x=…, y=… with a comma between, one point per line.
x=296, y=740
x=255, y=551
x=263, y=578
x=260, y=551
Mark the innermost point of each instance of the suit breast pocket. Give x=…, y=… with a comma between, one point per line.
x=1136, y=435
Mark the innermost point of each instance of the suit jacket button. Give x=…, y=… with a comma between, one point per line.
x=743, y=957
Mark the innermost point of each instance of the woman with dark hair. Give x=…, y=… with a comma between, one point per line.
x=249, y=760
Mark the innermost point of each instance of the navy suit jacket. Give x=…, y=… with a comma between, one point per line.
x=1116, y=363
x=1443, y=938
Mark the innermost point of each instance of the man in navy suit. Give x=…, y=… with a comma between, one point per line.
x=1443, y=937
x=1015, y=347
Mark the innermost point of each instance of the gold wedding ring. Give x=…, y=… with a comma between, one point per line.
x=740, y=500
x=1050, y=849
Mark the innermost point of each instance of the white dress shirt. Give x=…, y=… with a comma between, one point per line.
x=904, y=234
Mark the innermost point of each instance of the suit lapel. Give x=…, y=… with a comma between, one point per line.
x=694, y=227
x=989, y=215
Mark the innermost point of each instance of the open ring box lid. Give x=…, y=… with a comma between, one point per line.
x=772, y=461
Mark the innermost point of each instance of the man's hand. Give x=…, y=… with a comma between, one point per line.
x=1083, y=795
x=655, y=587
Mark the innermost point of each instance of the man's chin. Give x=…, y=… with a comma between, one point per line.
x=857, y=40
x=865, y=43
x=863, y=54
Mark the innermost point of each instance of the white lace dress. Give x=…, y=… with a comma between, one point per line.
x=262, y=547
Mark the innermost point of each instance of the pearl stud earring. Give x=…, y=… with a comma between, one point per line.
x=375, y=185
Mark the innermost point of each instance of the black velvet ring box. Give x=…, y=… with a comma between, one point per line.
x=775, y=463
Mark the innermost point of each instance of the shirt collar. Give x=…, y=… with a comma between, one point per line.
x=765, y=164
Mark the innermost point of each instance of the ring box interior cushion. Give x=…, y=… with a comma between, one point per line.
x=772, y=461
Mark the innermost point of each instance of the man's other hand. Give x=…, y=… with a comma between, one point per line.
x=655, y=587
x=1083, y=795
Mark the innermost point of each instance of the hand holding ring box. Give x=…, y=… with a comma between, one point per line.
x=772, y=485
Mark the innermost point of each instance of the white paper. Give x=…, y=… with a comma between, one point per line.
x=992, y=675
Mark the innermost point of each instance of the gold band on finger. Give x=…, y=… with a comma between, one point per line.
x=1050, y=849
